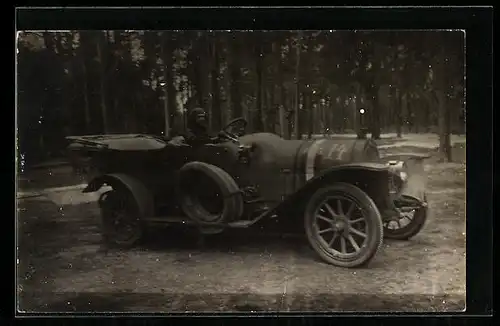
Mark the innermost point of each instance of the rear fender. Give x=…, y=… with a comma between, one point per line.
x=139, y=191
x=372, y=178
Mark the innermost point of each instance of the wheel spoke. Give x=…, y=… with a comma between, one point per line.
x=326, y=230
x=356, y=220
x=357, y=232
x=408, y=216
x=353, y=243
x=335, y=235
x=326, y=219
x=349, y=211
x=330, y=210
x=339, y=207
x=343, y=245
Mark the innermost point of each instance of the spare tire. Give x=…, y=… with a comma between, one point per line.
x=208, y=194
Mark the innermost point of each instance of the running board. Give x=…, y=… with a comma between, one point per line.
x=241, y=224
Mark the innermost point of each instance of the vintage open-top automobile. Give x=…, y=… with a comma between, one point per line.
x=345, y=195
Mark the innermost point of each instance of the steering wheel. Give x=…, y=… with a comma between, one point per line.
x=239, y=123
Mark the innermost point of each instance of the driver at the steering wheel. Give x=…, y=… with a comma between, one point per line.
x=197, y=129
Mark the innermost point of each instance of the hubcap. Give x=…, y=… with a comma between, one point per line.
x=340, y=225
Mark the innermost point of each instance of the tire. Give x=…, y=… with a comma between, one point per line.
x=226, y=191
x=120, y=201
x=368, y=214
x=409, y=230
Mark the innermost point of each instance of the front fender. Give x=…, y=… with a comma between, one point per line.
x=412, y=166
x=405, y=157
x=139, y=191
x=372, y=178
x=416, y=181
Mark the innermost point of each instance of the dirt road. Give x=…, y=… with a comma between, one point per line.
x=62, y=266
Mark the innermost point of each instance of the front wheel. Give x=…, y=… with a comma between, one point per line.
x=121, y=225
x=343, y=225
x=409, y=222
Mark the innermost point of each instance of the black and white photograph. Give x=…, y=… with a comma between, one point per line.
x=245, y=171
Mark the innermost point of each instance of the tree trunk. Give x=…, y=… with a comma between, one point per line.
x=102, y=64
x=85, y=91
x=199, y=75
x=281, y=112
x=215, y=118
x=418, y=107
x=280, y=98
x=235, y=76
x=332, y=105
x=324, y=120
x=415, y=107
x=375, y=112
x=444, y=127
x=297, y=85
x=311, y=113
x=427, y=114
x=126, y=93
x=169, y=102
x=304, y=116
x=290, y=114
x=58, y=44
x=342, y=115
x=282, y=120
x=48, y=41
x=66, y=56
x=271, y=110
x=399, y=113
x=328, y=115
x=376, y=120
x=259, y=124
x=410, y=113
x=149, y=96
x=440, y=73
x=228, y=112
x=202, y=64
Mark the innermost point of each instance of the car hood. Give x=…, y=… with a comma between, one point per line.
x=311, y=156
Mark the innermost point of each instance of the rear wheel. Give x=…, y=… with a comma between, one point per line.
x=121, y=224
x=343, y=225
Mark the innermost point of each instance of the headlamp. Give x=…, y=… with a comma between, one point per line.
x=396, y=169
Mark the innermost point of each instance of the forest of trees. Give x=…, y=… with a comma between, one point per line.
x=292, y=83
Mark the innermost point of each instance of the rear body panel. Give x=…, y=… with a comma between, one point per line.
x=119, y=142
